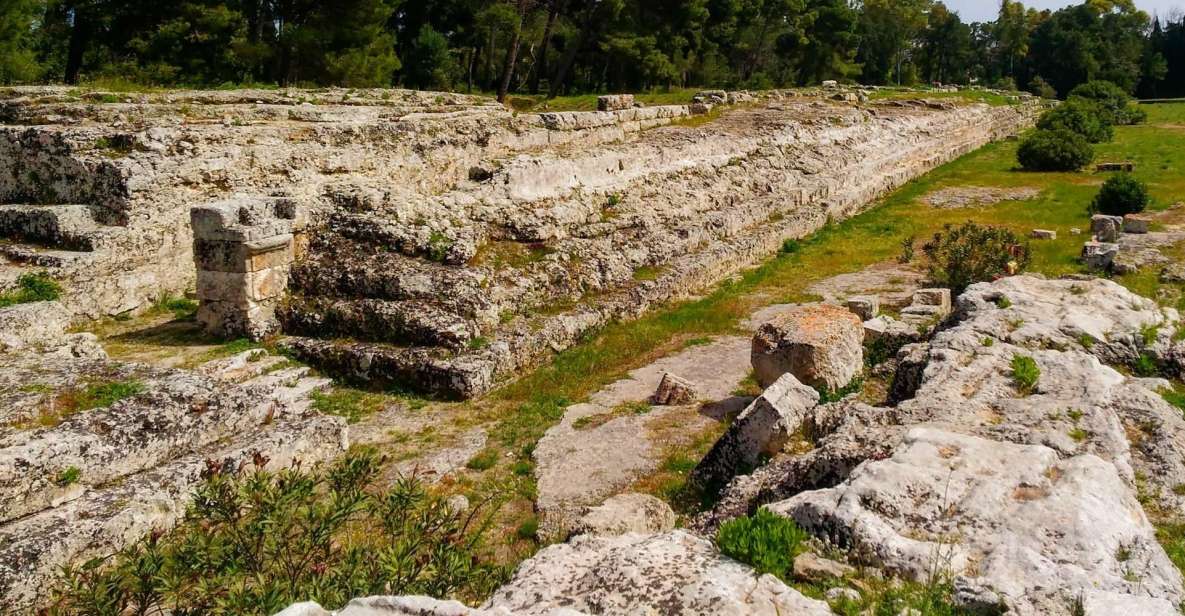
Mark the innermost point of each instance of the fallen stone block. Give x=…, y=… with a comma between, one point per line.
x=615, y=102
x=939, y=298
x=1106, y=228
x=1043, y=234
x=865, y=306
x=1137, y=224
x=820, y=344
x=810, y=567
x=675, y=391
x=1125, y=166
x=1099, y=256
x=761, y=430
x=626, y=513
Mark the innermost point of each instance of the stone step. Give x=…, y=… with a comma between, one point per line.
x=106, y=519
x=343, y=268
x=242, y=367
x=400, y=322
x=432, y=371
x=39, y=256
x=179, y=413
x=67, y=227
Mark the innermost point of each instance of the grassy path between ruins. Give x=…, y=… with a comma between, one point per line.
x=518, y=415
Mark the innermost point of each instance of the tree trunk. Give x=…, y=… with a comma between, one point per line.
x=553, y=13
x=78, y=39
x=561, y=73
x=512, y=53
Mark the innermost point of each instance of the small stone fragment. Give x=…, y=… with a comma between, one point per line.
x=1043, y=234
x=674, y=391
x=1075, y=231
x=865, y=306
x=808, y=567
x=842, y=594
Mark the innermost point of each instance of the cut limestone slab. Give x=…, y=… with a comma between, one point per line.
x=674, y=391
x=820, y=344
x=761, y=430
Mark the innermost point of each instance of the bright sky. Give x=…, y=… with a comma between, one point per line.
x=986, y=10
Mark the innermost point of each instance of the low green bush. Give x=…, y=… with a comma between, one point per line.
x=1054, y=150
x=1081, y=116
x=1121, y=194
x=255, y=542
x=958, y=257
x=765, y=541
x=1114, y=101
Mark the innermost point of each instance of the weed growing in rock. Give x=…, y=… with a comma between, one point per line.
x=958, y=257
x=70, y=476
x=1146, y=366
x=1086, y=340
x=1003, y=303
x=790, y=247
x=765, y=541
x=528, y=530
x=1149, y=333
x=254, y=542
x=1173, y=397
x=34, y=287
x=1025, y=374
x=827, y=396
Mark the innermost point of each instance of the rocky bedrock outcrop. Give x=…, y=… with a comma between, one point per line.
x=1024, y=490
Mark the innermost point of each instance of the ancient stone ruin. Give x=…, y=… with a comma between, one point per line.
x=436, y=241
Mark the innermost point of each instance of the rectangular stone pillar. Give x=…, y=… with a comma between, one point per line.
x=243, y=249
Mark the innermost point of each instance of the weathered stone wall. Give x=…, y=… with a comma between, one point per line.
x=550, y=245
x=137, y=163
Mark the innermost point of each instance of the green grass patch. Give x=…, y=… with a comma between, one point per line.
x=70, y=476
x=33, y=287
x=352, y=404
x=483, y=461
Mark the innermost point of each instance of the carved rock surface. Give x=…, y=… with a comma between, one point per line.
x=627, y=513
x=1035, y=529
x=820, y=344
x=675, y=574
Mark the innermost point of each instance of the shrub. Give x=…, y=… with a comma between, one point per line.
x=765, y=541
x=1120, y=195
x=1080, y=116
x=1039, y=87
x=1112, y=99
x=958, y=257
x=1054, y=150
x=1025, y=373
x=255, y=542
x=34, y=287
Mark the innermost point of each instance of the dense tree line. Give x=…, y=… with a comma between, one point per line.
x=564, y=46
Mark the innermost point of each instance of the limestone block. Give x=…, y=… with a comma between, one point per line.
x=1106, y=228
x=674, y=391
x=700, y=108
x=939, y=298
x=1043, y=234
x=252, y=256
x=865, y=306
x=1099, y=256
x=1127, y=167
x=627, y=513
x=760, y=430
x=615, y=102
x=809, y=567
x=821, y=345
x=1137, y=223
